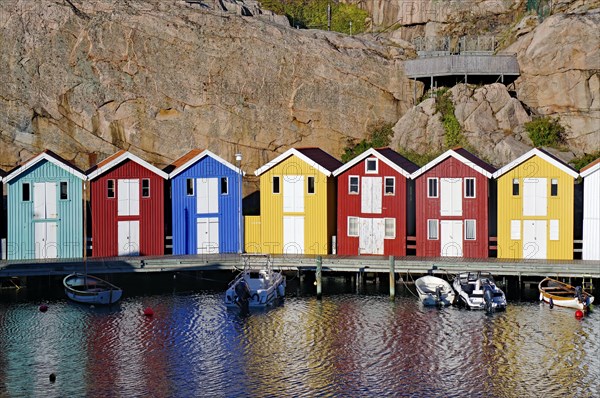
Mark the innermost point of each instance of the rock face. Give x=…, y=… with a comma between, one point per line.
x=560, y=74
x=492, y=123
x=159, y=78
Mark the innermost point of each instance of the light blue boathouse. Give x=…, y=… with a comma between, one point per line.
x=206, y=199
x=45, y=209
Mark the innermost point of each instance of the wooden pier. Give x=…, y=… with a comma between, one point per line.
x=297, y=263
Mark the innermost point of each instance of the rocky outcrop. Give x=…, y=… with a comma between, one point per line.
x=560, y=74
x=492, y=123
x=159, y=78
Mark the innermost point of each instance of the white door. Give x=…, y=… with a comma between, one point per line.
x=371, y=195
x=208, y=235
x=451, y=232
x=46, y=240
x=535, y=198
x=44, y=200
x=128, y=192
x=534, y=239
x=207, y=199
x=129, y=238
x=293, y=234
x=371, y=234
x=293, y=193
x=451, y=196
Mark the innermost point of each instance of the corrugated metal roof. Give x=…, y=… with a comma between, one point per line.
x=321, y=157
x=556, y=159
x=398, y=159
x=50, y=156
x=182, y=160
x=472, y=158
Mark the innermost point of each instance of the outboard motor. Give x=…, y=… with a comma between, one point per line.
x=488, y=298
x=579, y=294
x=242, y=293
x=438, y=295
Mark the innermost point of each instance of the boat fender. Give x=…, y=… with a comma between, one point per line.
x=551, y=302
x=148, y=312
x=43, y=308
x=578, y=314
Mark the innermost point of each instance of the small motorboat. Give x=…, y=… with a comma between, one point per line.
x=478, y=291
x=255, y=286
x=434, y=291
x=89, y=289
x=564, y=295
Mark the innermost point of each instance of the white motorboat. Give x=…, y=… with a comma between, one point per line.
x=89, y=289
x=256, y=286
x=478, y=291
x=434, y=291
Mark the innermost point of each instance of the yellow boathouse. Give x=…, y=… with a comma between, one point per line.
x=535, y=207
x=297, y=204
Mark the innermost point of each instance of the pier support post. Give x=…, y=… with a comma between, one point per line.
x=392, y=278
x=318, y=276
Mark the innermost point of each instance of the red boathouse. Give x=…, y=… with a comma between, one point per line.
x=127, y=201
x=451, y=196
x=372, y=203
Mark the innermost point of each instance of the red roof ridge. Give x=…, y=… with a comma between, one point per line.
x=589, y=166
x=110, y=158
x=186, y=157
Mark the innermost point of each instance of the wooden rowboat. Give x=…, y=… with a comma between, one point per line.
x=90, y=289
x=564, y=295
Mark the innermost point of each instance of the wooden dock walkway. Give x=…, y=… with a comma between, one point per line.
x=296, y=263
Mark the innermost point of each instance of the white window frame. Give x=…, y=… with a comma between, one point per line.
x=385, y=221
x=350, y=185
x=474, y=229
x=437, y=187
x=367, y=171
x=114, y=188
x=60, y=185
x=474, y=187
x=357, y=226
x=437, y=226
x=554, y=182
x=385, y=193
x=187, y=186
x=517, y=182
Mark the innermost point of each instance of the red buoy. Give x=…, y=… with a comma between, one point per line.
x=43, y=308
x=578, y=314
x=148, y=311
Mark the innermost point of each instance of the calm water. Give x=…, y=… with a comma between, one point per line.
x=346, y=345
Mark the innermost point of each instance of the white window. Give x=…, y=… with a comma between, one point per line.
x=110, y=188
x=432, y=230
x=390, y=186
x=390, y=228
x=352, y=226
x=64, y=190
x=554, y=187
x=515, y=229
x=310, y=188
x=469, y=187
x=554, y=229
x=470, y=230
x=432, y=187
x=353, y=184
x=371, y=166
x=515, y=187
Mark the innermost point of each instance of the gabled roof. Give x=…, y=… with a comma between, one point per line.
x=315, y=157
x=590, y=168
x=194, y=156
x=463, y=156
x=118, y=158
x=48, y=156
x=386, y=155
x=542, y=154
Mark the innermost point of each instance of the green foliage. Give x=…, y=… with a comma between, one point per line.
x=582, y=161
x=545, y=131
x=312, y=14
x=380, y=136
x=445, y=106
x=418, y=158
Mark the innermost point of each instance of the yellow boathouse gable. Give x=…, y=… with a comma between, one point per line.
x=297, y=204
x=535, y=208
